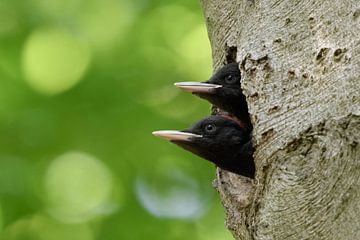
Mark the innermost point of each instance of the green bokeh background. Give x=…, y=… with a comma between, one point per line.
x=83, y=83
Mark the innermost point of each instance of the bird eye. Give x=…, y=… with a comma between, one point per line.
x=210, y=128
x=230, y=78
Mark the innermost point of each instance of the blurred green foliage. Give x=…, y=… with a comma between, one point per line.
x=83, y=83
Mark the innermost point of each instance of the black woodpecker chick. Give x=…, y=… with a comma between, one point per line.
x=223, y=90
x=218, y=139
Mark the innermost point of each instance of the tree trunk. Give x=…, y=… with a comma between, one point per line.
x=300, y=68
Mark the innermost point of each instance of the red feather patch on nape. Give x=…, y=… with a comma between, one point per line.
x=234, y=120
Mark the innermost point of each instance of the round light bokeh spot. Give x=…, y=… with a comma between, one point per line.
x=54, y=61
x=78, y=188
x=172, y=193
x=40, y=227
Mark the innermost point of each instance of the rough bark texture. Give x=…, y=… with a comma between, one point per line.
x=301, y=75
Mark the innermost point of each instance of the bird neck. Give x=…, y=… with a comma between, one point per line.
x=242, y=161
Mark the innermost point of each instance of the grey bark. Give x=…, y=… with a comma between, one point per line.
x=301, y=75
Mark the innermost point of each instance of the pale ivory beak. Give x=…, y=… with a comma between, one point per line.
x=175, y=135
x=197, y=87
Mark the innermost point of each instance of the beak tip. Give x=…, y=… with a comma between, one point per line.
x=155, y=133
x=179, y=85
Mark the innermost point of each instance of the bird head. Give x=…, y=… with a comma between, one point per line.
x=223, y=90
x=219, y=139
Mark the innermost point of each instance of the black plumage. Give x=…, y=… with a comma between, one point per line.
x=223, y=90
x=219, y=139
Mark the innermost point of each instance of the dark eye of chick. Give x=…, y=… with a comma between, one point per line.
x=230, y=79
x=210, y=128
